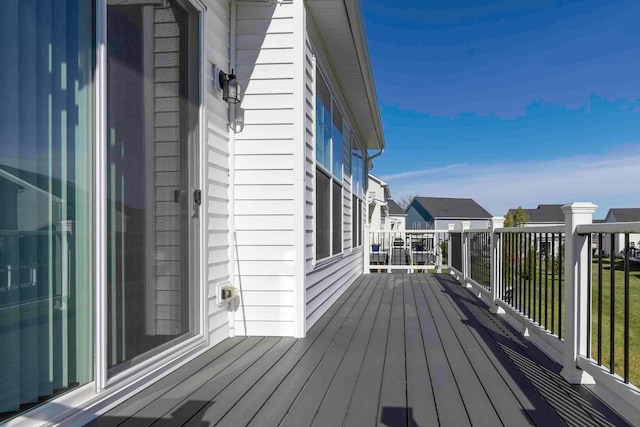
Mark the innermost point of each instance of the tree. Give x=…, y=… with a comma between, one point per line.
x=508, y=220
x=406, y=199
x=520, y=218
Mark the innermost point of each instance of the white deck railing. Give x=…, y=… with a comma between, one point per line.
x=550, y=283
x=408, y=250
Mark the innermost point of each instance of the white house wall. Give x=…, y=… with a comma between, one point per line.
x=264, y=171
x=326, y=281
x=215, y=206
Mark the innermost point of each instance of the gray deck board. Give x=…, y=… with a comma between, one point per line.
x=245, y=410
x=305, y=407
x=279, y=403
x=448, y=401
x=420, y=397
x=394, y=350
x=170, y=402
x=212, y=414
x=335, y=404
x=363, y=405
x=393, y=397
x=132, y=407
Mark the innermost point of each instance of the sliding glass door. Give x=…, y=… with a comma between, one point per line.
x=46, y=286
x=152, y=122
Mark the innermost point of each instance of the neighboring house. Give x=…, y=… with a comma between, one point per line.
x=438, y=212
x=397, y=216
x=378, y=194
x=621, y=215
x=171, y=187
x=543, y=215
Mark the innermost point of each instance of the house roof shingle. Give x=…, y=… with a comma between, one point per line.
x=444, y=207
x=543, y=214
x=625, y=214
x=394, y=208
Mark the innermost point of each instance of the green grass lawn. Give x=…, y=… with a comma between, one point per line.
x=634, y=318
x=549, y=290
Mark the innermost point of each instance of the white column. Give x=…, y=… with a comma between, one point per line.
x=466, y=225
x=576, y=298
x=496, y=263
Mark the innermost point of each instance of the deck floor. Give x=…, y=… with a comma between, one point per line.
x=394, y=350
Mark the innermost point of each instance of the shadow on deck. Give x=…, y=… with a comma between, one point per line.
x=394, y=350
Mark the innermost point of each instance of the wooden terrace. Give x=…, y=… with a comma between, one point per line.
x=394, y=350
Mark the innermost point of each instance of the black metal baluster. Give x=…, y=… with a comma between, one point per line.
x=600, y=241
x=546, y=281
x=626, y=308
x=528, y=248
x=560, y=295
x=519, y=245
x=612, y=304
x=539, y=273
x=553, y=285
x=533, y=278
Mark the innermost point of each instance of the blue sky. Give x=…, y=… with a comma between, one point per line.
x=510, y=103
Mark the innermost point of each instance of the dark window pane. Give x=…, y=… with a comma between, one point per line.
x=337, y=218
x=323, y=218
x=355, y=226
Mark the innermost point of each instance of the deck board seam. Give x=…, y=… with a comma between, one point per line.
x=447, y=358
x=369, y=291
x=358, y=296
x=433, y=393
x=370, y=331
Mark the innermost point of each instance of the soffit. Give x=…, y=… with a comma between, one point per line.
x=341, y=29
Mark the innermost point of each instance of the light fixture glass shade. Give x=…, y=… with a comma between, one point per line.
x=231, y=89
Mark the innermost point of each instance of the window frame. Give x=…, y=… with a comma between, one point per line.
x=336, y=179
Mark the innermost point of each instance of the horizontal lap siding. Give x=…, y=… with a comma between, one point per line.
x=215, y=208
x=326, y=282
x=264, y=171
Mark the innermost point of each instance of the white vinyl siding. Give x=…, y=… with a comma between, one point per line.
x=215, y=193
x=264, y=165
x=325, y=282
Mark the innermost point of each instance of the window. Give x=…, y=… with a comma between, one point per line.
x=46, y=215
x=359, y=180
x=330, y=127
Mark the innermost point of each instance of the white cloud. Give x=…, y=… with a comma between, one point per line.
x=609, y=180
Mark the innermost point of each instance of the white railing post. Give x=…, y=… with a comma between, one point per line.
x=496, y=263
x=450, y=227
x=366, y=248
x=576, y=298
x=466, y=256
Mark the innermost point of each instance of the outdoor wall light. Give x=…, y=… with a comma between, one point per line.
x=231, y=89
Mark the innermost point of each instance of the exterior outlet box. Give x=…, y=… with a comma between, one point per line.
x=225, y=292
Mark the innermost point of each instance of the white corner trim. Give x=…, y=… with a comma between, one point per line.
x=299, y=187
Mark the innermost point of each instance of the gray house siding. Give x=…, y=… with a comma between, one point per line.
x=418, y=218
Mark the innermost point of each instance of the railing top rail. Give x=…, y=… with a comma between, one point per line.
x=610, y=227
x=477, y=230
x=533, y=229
x=411, y=231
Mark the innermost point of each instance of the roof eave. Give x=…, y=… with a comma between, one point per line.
x=335, y=35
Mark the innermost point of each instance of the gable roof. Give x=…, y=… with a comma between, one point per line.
x=543, y=214
x=444, y=207
x=395, y=209
x=625, y=214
